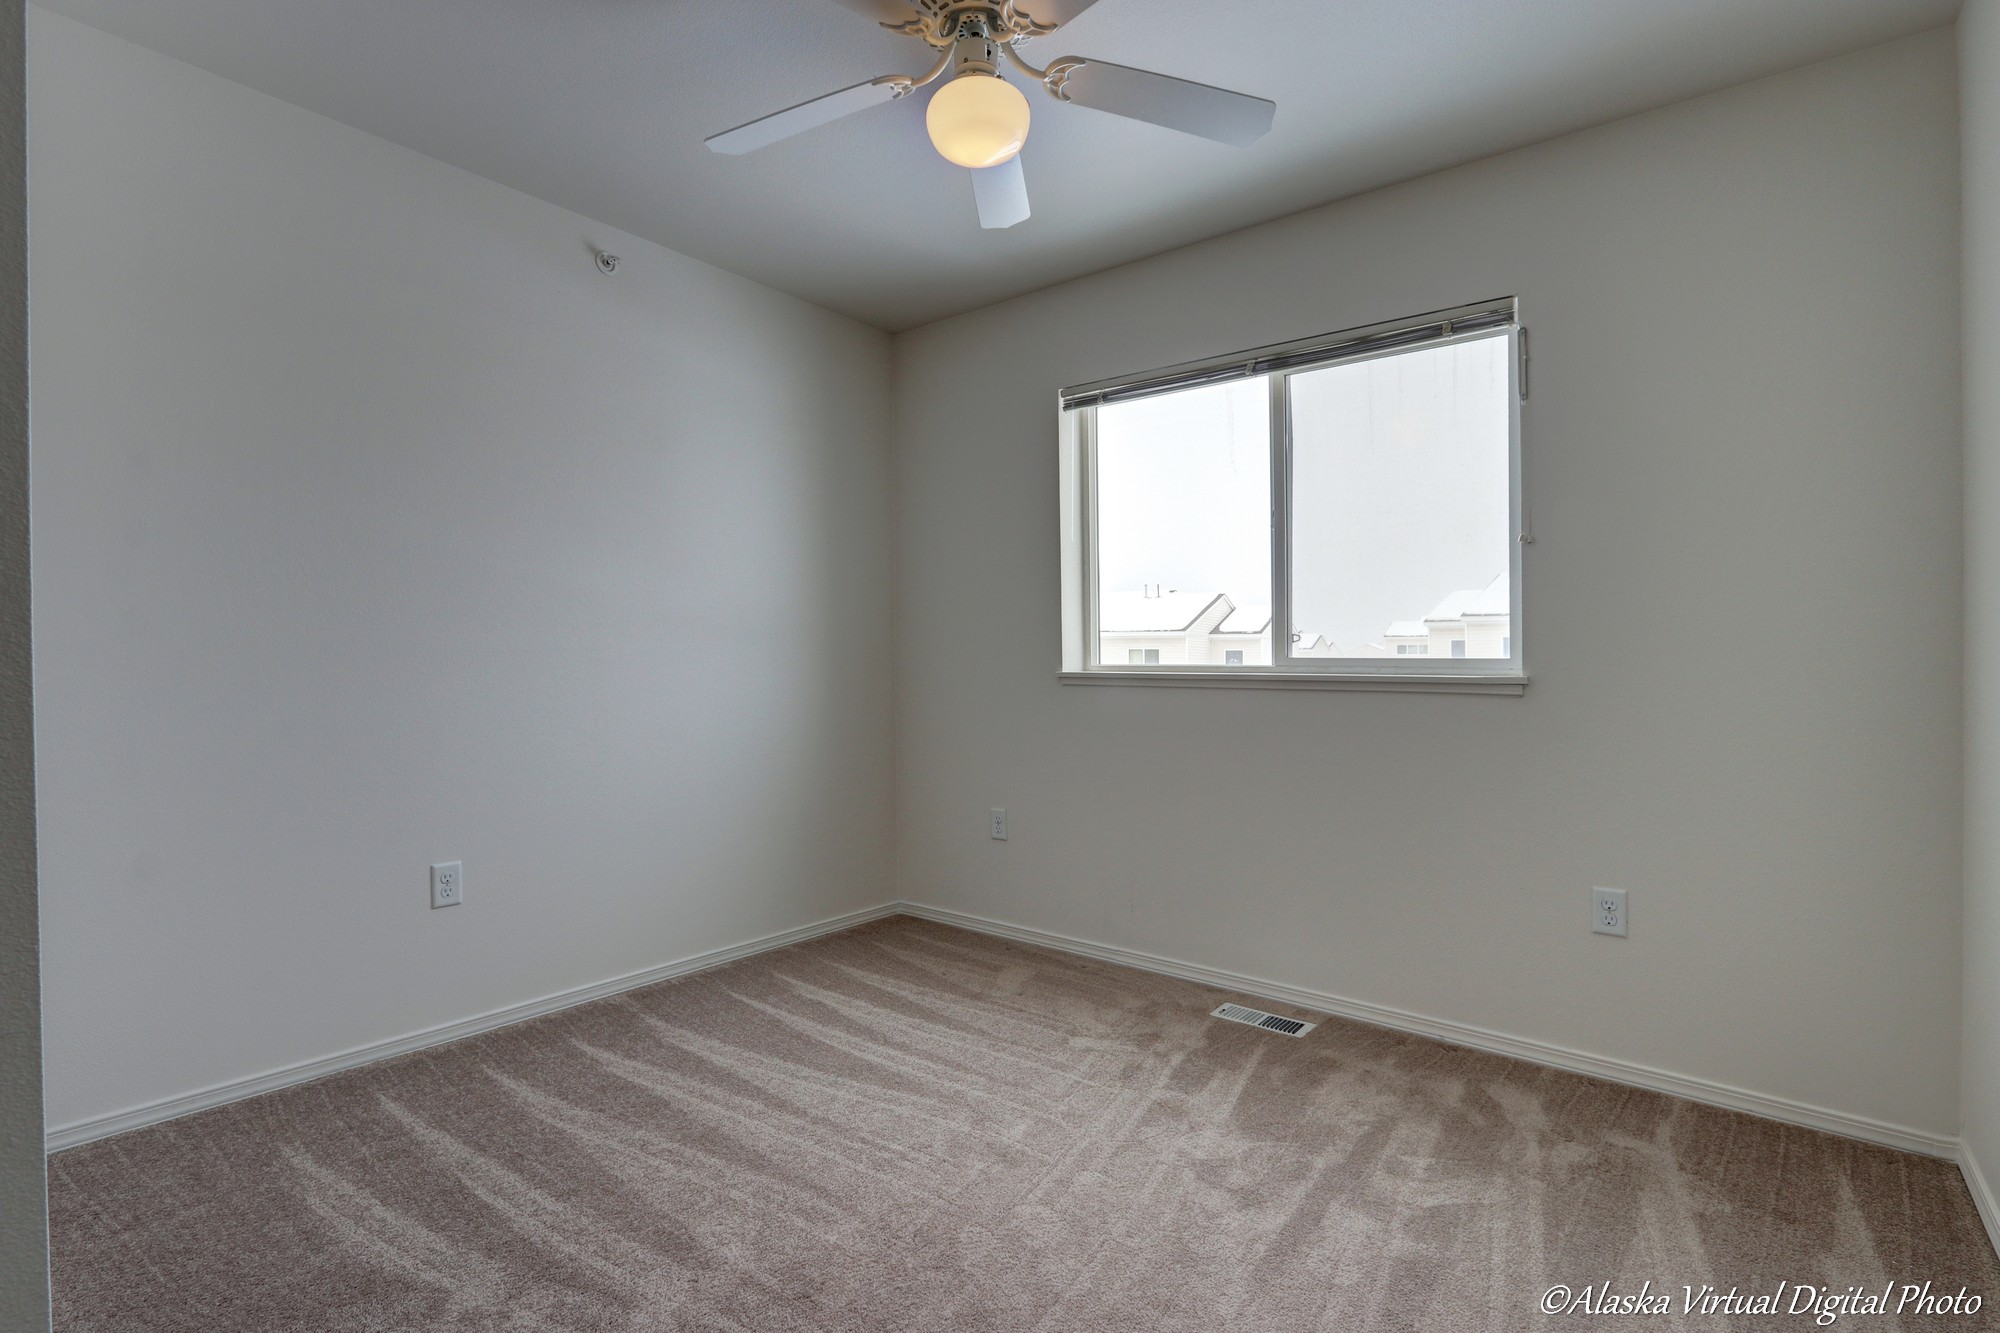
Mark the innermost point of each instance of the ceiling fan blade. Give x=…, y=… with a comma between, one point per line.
x=882, y=11
x=1048, y=13
x=1178, y=104
x=1002, y=193
x=767, y=130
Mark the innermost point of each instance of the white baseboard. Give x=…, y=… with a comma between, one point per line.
x=138, y=1117
x=1459, y=1034
x=1982, y=1193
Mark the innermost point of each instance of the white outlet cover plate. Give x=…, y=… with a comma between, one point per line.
x=447, y=884
x=999, y=824
x=1607, y=912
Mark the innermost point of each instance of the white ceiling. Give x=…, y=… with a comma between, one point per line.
x=601, y=105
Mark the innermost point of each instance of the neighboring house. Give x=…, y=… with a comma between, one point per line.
x=1160, y=626
x=1475, y=622
x=1243, y=638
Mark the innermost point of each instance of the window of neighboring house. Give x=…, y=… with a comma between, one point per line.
x=1340, y=490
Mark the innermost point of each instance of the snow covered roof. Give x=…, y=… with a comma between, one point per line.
x=1495, y=599
x=1249, y=618
x=1162, y=613
x=1492, y=600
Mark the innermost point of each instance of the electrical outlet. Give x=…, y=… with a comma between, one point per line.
x=1607, y=911
x=999, y=824
x=447, y=884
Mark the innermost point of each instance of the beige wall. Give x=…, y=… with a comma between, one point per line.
x=1744, y=317
x=376, y=527
x=1979, y=72
x=23, y=1226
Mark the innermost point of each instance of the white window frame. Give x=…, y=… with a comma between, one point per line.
x=1078, y=489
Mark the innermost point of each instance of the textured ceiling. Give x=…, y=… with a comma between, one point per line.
x=601, y=106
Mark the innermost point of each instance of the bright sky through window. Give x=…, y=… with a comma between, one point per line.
x=1399, y=487
x=1184, y=481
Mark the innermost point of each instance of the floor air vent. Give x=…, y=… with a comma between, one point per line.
x=1257, y=1018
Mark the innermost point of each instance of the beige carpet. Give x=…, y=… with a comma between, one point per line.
x=908, y=1127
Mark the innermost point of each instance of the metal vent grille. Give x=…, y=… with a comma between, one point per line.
x=1257, y=1018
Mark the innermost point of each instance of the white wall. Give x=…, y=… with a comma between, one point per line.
x=24, y=1270
x=1745, y=422
x=373, y=527
x=1979, y=75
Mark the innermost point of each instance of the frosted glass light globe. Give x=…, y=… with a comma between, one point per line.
x=978, y=120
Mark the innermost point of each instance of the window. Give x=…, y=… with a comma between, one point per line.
x=1349, y=507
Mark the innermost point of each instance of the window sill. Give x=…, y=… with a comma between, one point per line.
x=1381, y=682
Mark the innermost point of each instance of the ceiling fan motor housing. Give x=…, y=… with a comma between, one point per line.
x=973, y=49
x=945, y=22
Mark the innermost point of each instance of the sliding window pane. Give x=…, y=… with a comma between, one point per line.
x=1184, y=528
x=1400, y=538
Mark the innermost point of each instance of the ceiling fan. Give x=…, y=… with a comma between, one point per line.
x=980, y=120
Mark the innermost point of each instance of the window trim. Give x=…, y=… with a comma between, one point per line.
x=1081, y=640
